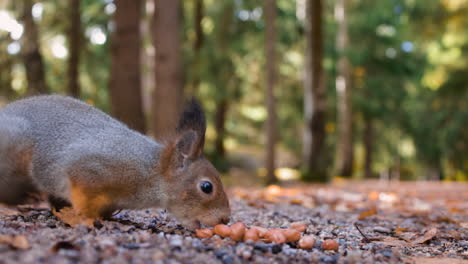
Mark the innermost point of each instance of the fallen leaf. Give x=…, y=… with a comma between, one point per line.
x=400, y=230
x=393, y=242
x=367, y=213
x=296, y=201
x=18, y=242
x=8, y=211
x=407, y=236
x=373, y=196
x=73, y=218
x=430, y=234
x=436, y=260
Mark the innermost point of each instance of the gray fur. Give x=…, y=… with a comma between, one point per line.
x=71, y=139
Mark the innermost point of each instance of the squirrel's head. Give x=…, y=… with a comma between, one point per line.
x=195, y=194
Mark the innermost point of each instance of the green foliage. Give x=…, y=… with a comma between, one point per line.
x=409, y=61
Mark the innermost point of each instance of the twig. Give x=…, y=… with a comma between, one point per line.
x=116, y=212
x=366, y=239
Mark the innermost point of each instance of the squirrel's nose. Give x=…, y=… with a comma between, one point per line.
x=225, y=220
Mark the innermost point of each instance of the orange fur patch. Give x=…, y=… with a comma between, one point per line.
x=93, y=202
x=166, y=159
x=88, y=203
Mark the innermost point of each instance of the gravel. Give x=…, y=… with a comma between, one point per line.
x=152, y=236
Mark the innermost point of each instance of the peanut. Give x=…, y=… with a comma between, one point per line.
x=237, y=231
x=306, y=242
x=292, y=235
x=261, y=231
x=299, y=226
x=222, y=230
x=251, y=234
x=330, y=244
x=204, y=233
x=275, y=236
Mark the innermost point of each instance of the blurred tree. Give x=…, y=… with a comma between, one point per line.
x=74, y=47
x=125, y=79
x=344, y=145
x=222, y=39
x=30, y=49
x=368, y=139
x=168, y=94
x=271, y=76
x=198, y=42
x=314, y=96
x=6, y=65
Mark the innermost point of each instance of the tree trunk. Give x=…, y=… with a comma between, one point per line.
x=197, y=45
x=74, y=46
x=6, y=66
x=168, y=94
x=270, y=54
x=125, y=80
x=344, y=147
x=368, y=147
x=223, y=80
x=147, y=57
x=314, y=96
x=31, y=53
x=220, y=121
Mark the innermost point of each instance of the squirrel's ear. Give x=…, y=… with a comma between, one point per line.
x=187, y=145
x=191, y=130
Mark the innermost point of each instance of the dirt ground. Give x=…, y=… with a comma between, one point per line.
x=373, y=222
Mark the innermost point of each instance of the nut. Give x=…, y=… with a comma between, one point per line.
x=307, y=242
x=222, y=230
x=261, y=231
x=292, y=235
x=251, y=234
x=330, y=244
x=237, y=231
x=299, y=226
x=204, y=233
x=275, y=236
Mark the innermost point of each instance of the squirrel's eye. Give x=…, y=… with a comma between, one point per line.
x=206, y=187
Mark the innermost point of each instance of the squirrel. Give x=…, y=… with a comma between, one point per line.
x=82, y=158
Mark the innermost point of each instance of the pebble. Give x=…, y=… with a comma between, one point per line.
x=275, y=249
x=262, y=247
x=176, y=241
x=131, y=246
x=290, y=251
x=228, y=259
x=329, y=259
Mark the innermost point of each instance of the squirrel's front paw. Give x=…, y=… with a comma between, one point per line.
x=70, y=216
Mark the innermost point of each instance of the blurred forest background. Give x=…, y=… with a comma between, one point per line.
x=307, y=89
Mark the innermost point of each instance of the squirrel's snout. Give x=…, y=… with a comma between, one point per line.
x=225, y=220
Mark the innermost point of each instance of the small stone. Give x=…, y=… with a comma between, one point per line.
x=131, y=246
x=228, y=259
x=329, y=259
x=97, y=224
x=275, y=249
x=220, y=253
x=176, y=241
x=261, y=247
x=246, y=254
x=158, y=255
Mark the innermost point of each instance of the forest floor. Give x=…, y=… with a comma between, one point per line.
x=412, y=222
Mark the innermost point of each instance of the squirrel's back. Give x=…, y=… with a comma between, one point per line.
x=63, y=129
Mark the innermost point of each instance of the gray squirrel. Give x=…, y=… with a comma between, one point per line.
x=81, y=157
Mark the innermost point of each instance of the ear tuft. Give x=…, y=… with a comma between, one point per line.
x=193, y=119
